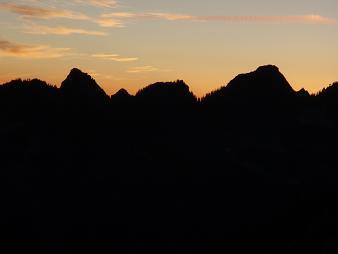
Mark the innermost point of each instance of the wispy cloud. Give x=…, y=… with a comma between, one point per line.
x=314, y=19
x=96, y=74
x=35, y=12
x=115, y=57
x=11, y=49
x=142, y=69
x=42, y=13
x=164, y=16
x=99, y=3
x=104, y=22
x=115, y=19
x=60, y=30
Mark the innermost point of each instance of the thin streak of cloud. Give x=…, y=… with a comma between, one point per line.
x=42, y=13
x=142, y=69
x=33, y=12
x=109, y=23
x=98, y=75
x=115, y=57
x=99, y=3
x=314, y=19
x=10, y=49
x=164, y=16
x=45, y=30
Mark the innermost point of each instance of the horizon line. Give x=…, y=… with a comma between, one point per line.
x=171, y=81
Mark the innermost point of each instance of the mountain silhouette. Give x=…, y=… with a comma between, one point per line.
x=122, y=93
x=21, y=96
x=266, y=83
x=327, y=99
x=251, y=167
x=80, y=86
x=330, y=93
x=303, y=93
x=121, y=96
x=34, y=87
x=167, y=93
x=263, y=97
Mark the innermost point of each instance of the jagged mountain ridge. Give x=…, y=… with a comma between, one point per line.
x=148, y=173
x=80, y=85
x=265, y=83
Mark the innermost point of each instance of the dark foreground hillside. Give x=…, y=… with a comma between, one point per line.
x=251, y=167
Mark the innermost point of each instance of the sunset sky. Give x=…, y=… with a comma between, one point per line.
x=132, y=43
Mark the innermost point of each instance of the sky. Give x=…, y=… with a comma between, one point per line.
x=133, y=43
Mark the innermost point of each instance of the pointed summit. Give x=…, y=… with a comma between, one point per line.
x=80, y=85
x=121, y=97
x=122, y=93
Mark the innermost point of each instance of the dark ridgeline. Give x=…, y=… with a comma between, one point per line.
x=266, y=83
x=121, y=97
x=264, y=93
x=174, y=94
x=251, y=167
x=81, y=86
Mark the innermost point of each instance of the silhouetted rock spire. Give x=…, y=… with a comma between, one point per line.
x=81, y=86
